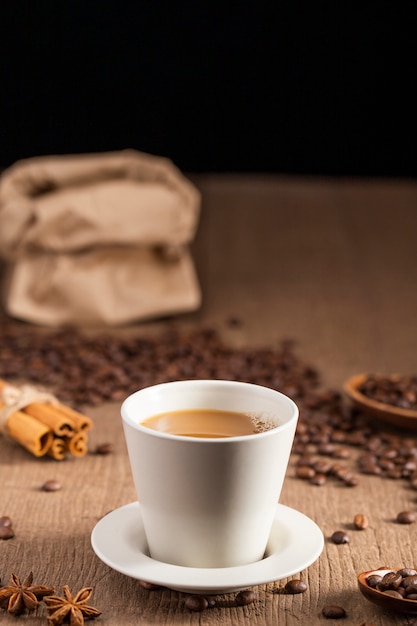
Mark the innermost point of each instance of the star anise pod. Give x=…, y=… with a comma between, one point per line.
x=70, y=609
x=19, y=596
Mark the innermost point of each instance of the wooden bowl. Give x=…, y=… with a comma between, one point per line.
x=382, y=599
x=401, y=418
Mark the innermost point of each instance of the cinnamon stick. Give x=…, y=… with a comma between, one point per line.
x=29, y=433
x=43, y=425
x=79, y=420
x=49, y=414
x=77, y=445
x=58, y=449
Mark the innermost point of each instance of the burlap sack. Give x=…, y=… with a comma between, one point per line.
x=98, y=238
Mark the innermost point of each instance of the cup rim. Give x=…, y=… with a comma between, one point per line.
x=208, y=382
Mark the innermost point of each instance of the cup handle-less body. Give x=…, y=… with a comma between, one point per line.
x=209, y=502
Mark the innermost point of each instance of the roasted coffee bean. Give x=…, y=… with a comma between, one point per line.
x=327, y=449
x=51, y=485
x=391, y=580
x=339, y=537
x=5, y=520
x=352, y=481
x=393, y=593
x=296, y=586
x=342, y=453
x=318, y=479
x=196, y=602
x=323, y=467
x=373, y=580
x=332, y=611
x=360, y=521
x=406, y=517
x=105, y=448
x=410, y=584
x=305, y=472
x=247, y=596
x=407, y=571
x=149, y=586
x=6, y=532
x=394, y=473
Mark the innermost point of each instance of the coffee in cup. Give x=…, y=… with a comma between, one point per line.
x=208, y=423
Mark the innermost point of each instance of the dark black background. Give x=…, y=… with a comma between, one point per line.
x=289, y=87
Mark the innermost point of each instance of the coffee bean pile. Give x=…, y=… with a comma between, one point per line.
x=330, y=428
x=88, y=369
x=399, y=391
x=398, y=583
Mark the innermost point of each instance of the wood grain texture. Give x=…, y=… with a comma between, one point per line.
x=330, y=263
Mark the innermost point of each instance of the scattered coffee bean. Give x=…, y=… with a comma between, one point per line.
x=339, y=537
x=296, y=586
x=5, y=521
x=245, y=597
x=149, y=586
x=406, y=517
x=104, y=448
x=6, y=532
x=360, y=521
x=196, y=602
x=332, y=611
x=51, y=485
x=234, y=321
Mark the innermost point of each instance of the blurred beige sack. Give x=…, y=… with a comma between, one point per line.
x=97, y=238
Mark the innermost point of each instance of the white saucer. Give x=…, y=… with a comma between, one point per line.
x=119, y=540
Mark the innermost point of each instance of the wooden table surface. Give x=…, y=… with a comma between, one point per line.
x=331, y=264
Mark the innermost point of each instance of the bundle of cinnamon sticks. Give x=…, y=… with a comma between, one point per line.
x=42, y=424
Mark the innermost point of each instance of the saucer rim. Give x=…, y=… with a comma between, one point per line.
x=297, y=553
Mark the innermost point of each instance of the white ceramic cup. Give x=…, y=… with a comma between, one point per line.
x=208, y=502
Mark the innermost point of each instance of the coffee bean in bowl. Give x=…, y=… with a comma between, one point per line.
x=391, y=399
x=393, y=589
